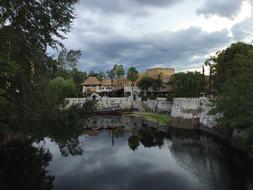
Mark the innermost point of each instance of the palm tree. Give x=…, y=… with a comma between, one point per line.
x=132, y=75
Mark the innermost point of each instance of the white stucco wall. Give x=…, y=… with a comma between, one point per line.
x=103, y=103
x=159, y=105
x=194, y=108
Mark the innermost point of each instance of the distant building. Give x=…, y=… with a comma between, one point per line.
x=94, y=86
x=165, y=73
x=123, y=86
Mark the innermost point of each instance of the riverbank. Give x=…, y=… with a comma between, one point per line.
x=194, y=114
x=163, y=119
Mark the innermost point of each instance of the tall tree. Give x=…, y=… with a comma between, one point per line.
x=145, y=84
x=92, y=74
x=119, y=70
x=101, y=75
x=68, y=59
x=190, y=84
x=132, y=75
x=111, y=75
x=78, y=77
x=223, y=64
x=234, y=86
x=157, y=83
x=27, y=29
x=65, y=88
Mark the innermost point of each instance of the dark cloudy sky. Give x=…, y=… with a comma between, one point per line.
x=149, y=33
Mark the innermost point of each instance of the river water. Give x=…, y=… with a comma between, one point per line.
x=134, y=155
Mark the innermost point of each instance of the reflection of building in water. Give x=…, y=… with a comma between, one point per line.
x=149, y=133
x=100, y=122
x=92, y=133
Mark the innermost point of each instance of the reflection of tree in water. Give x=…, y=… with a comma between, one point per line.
x=133, y=142
x=119, y=132
x=66, y=135
x=71, y=147
x=24, y=167
x=209, y=161
x=196, y=155
x=147, y=137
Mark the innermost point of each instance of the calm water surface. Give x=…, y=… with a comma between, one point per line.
x=136, y=155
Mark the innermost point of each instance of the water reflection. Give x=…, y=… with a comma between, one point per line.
x=209, y=161
x=148, y=137
x=123, y=153
x=24, y=166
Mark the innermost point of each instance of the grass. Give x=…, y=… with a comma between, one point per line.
x=163, y=119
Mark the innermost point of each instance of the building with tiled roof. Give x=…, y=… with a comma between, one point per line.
x=91, y=81
x=106, y=82
x=94, y=86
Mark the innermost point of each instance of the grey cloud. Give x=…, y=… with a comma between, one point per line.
x=181, y=50
x=243, y=30
x=224, y=8
x=135, y=7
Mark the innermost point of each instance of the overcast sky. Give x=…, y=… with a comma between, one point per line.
x=157, y=33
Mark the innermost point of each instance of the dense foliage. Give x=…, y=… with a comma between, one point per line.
x=24, y=166
x=224, y=66
x=145, y=83
x=65, y=88
x=33, y=84
x=132, y=74
x=190, y=84
x=148, y=84
x=100, y=75
x=117, y=71
x=233, y=84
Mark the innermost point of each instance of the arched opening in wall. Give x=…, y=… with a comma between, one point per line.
x=134, y=97
x=95, y=96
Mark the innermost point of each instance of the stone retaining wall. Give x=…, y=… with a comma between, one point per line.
x=192, y=113
x=159, y=105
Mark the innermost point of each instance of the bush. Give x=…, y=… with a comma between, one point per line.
x=64, y=88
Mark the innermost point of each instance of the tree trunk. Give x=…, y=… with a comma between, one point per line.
x=132, y=90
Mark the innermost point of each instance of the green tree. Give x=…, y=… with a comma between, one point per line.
x=234, y=88
x=133, y=142
x=27, y=29
x=64, y=88
x=101, y=75
x=111, y=75
x=64, y=65
x=190, y=84
x=78, y=77
x=132, y=75
x=157, y=83
x=118, y=70
x=92, y=74
x=145, y=84
x=68, y=59
x=223, y=64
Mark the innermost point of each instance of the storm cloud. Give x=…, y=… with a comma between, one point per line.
x=182, y=49
x=135, y=7
x=243, y=31
x=224, y=8
x=154, y=33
